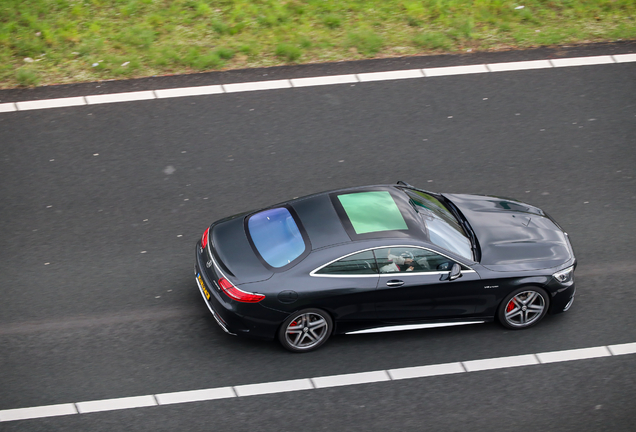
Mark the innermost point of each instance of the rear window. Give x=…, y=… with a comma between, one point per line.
x=276, y=236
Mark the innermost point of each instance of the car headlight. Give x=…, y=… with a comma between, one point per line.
x=564, y=275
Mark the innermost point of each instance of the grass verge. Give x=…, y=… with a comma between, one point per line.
x=63, y=41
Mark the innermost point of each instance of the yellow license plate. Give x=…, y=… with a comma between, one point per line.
x=205, y=290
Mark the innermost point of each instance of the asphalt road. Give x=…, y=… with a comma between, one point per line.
x=102, y=205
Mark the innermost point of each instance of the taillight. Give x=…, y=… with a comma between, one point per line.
x=204, y=238
x=238, y=294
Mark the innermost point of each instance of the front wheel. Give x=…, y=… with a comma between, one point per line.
x=305, y=330
x=523, y=308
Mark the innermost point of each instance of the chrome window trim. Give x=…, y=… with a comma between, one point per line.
x=397, y=327
x=313, y=272
x=423, y=273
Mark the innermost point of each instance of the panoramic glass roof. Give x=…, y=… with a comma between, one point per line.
x=372, y=212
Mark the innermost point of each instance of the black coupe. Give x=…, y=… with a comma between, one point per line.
x=382, y=258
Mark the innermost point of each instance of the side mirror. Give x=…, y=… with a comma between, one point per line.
x=455, y=273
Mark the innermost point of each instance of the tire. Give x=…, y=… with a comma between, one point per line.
x=523, y=308
x=305, y=330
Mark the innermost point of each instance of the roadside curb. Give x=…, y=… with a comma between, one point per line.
x=314, y=81
x=311, y=70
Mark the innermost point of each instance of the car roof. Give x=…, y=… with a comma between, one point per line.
x=339, y=216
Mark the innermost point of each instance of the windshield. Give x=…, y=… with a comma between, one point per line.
x=443, y=228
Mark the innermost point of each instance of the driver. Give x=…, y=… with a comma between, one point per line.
x=405, y=262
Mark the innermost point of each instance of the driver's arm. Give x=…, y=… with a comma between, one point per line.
x=396, y=259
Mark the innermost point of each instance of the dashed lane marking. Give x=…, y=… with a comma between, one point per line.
x=257, y=85
x=576, y=354
x=195, y=395
x=315, y=383
x=120, y=97
x=624, y=58
x=426, y=371
x=351, y=379
x=455, y=70
x=189, y=91
x=38, y=412
x=392, y=75
x=51, y=103
x=273, y=387
x=521, y=65
x=582, y=61
x=500, y=363
x=116, y=404
x=316, y=81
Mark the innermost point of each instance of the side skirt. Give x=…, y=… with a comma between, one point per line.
x=412, y=327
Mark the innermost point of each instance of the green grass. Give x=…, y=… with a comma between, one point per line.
x=62, y=40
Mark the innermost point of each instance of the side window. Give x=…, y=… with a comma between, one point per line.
x=409, y=259
x=357, y=264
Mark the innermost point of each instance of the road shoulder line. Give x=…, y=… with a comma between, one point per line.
x=315, y=81
x=316, y=382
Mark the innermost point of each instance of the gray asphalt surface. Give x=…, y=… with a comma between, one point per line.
x=88, y=189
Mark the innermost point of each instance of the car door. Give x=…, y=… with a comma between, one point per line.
x=414, y=285
x=348, y=287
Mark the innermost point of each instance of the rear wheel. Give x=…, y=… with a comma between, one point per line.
x=523, y=308
x=305, y=330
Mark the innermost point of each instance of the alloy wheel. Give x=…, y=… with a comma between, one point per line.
x=306, y=331
x=525, y=308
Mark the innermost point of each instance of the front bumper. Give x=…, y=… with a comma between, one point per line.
x=562, y=296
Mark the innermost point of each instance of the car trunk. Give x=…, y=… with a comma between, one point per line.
x=234, y=253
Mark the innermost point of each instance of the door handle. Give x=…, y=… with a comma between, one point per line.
x=394, y=283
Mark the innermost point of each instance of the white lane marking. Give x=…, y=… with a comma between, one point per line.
x=315, y=81
x=575, y=354
x=37, y=412
x=51, y=103
x=273, y=387
x=520, y=65
x=582, y=61
x=120, y=97
x=411, y=327
x=624, y=58
x=500, y=362
x=189, y=91
x=622, y=349
x=324, y=80
x=256, y=85
x=317, y=382
x=426, y=371
x=116, y=404
x=195, y=395
x=351, y=379
x=7, y=107
x=455, y=70
x=392, y=75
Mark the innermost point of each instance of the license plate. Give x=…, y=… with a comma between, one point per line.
x=203, y=288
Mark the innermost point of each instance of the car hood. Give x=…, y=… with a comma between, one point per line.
x=513, y=236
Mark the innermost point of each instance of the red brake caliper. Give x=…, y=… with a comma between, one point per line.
x=510, y=306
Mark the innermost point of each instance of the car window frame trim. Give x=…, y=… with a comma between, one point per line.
x=419, y=273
